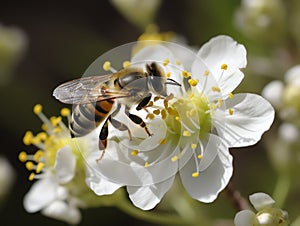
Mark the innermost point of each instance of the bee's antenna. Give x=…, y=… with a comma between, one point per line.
x=172, y=82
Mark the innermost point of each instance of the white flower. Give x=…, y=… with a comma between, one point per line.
x=56, y=166
x=7, y=176
x=267, y=214
x=192, y=128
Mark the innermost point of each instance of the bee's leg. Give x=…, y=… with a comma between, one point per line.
x=120, y=126
x=102, y=144
x=144, y=102
x=137, y=120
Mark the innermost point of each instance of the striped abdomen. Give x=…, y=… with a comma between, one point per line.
x=87, y=117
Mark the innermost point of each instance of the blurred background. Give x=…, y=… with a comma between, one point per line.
x=56, y=41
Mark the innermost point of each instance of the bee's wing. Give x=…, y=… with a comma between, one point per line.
x=86, y=89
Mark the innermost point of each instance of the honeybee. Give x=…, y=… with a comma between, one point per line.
x=94, y=97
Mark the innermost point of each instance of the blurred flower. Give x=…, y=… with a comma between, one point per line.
x=13, y=43
x=262, y=20
x=138, y=12
x=267, y=214
x=285, y=96
x=60, y=170
x=7, y=177
x=192, y=127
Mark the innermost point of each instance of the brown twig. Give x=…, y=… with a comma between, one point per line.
x=238, y=201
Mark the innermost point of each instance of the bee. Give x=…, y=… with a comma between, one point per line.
x=94, y=98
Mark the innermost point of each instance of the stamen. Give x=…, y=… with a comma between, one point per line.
x=27, y=139
x=177, y=118
x=230, y=110
x=166, y=62
x=178, y=62
x=146, y=164
x=134, y=152
x=22, y=156
x=220, y=102
x=37, y=109
x=156, y=98
x=107, y=67
x=29, y=166
x=65, y=112
x=224, y=66
x=206, y=73
x=126, y=64
x=156, y=112
x=174, y=158
x=186, y=74
x=230, y=95
x=38, y=155
x=193, y=82
x=168, y=74
x=199, y=156
x=186, y=133
x=31, y=176
x=163, y=141
x=150, y=116
x=215, y=89
x=39, y=167
x=193, y=146
x=195, y=174
x=163, y=113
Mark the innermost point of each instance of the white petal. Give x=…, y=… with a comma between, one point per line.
x=99, y=185
x=288, y=132
x=273, y=92
x=41, y=194
x=62, y=211
x=65, y=164
x=147, y=197
x=252, y=116
x=214, y=179
x=224, y=50
x=292, y=76
x=244, y=218
x=261, y=200
x=210, y=152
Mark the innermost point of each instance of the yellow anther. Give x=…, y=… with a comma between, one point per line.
x=156, y=112
x=177, y=118
x=126, y=64
x=230, y=110
x=171, y=111
x=134, y=152
x=213, y=106
x=156, y=98
x=230, y=95
x=168, y=74
x=38, y=155
x=31, y=176
x=195, y=174
x=65, y=112
x=106, y=66
x=163, y=113
x=174, y=158
x=215, y=89
x=166, y=62
x=150, y=104
x=163, y=141
x=191, y=95
x=146, y=164
x=150, y=116
x=178, y=62
x=55, y=120
x=186, y=133
x=224, y=66
x=220, y=102
x=42, y=136
x=37, y=109
x=39, y=167
x=170, y=97
x=200, y=156
x=35, y=140
x=206, y=73
x=57, y=130
x=44, y=127
x=193, y=146
x=186, y=74
x=193, y=82
x=29, y=166
x=166, y=104
x=27, y=139
x=22, y=156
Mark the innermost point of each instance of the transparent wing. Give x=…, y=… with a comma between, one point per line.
x=87, y=89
